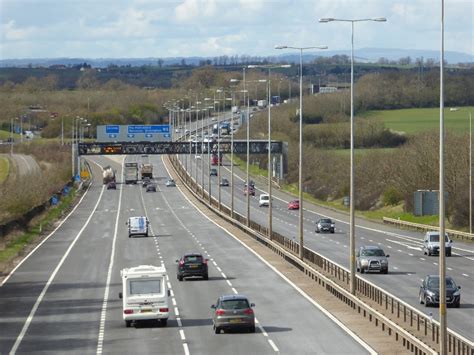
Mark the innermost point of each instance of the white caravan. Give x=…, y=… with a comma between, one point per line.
x=144, y=294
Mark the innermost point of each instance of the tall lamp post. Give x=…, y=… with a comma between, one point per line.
x=269, y=94
x=351, y=194
x=300, y=168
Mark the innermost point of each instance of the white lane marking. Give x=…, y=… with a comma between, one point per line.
x=51, y=278
x=466, y=275
x=422, y=259
x=186, y=349
x=176, y=311
x=181, y=333
x=317, y=305
x=223, y=275
x=103, y=312
x=178, y=320
x=234, y=290
x=450, y=269
x=45, y=239
x=218, y=268
x=173, y=301
x=395, y=268
x=273, y=345
x=229, y=283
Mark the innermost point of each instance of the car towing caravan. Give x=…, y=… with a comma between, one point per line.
x=144, y=294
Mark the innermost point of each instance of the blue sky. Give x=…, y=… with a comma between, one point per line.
x=166, y=28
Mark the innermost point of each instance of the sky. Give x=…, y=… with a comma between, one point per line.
x=208, y=28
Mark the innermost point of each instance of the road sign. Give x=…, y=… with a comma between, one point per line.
x=149, y=129
x=112, y=129
x=84, y=174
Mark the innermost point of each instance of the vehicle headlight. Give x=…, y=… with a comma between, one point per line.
x=332, y=225
x=457, y=293
x=430, y=293
x=384, y=261
x=364, y=262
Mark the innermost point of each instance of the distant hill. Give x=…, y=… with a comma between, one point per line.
x=362, y=54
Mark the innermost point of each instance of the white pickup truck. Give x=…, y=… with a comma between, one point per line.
x=145, y=294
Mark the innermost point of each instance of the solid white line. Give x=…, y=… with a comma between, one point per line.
x=103, y=313
x=317, y=305
x=50, y=280
x=45, y=239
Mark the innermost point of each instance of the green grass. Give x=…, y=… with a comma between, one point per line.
x=4, y=169
x=4, y=135
x=360, y=152
x=254, y=170
x=423, y=119
x=17, y=244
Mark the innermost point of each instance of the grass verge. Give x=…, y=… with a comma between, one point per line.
x=14, y=247
x=253, y=169
x=4, y=169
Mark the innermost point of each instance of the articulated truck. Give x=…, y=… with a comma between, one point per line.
x=131, y=173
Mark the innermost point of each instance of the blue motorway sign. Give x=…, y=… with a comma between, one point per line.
x=149, y=129
x=112, y=129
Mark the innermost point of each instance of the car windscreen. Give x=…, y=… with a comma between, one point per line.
x=325, y=221
x=435, y=238
x=234, y=304
x=140, y=287
x=434, y=283
x=193, y=259
x=264, y=197
x=372, y=252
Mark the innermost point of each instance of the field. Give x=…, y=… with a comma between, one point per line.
x=423, y=119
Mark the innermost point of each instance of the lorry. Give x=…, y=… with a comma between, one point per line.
x=144, y=294
x=235, y=109
x=108, y=175
x=131, y=173
x=146, y=170
x=262, y=103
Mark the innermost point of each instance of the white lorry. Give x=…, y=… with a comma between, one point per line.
x=145, y=294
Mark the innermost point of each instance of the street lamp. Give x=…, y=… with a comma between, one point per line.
x=351, y=193
x=269, y=67
x=300, y=167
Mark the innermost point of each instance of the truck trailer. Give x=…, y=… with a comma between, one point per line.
x=146, y=171
x=131, y=173
x=108, y=175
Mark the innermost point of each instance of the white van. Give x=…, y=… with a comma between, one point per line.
x=264, y=200
x=137, y=226
x=144, y=294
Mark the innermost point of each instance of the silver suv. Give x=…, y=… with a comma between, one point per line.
x=233, y=312
x=431, y=244
x=371, y=258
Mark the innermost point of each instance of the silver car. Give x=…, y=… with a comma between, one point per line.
x=431, y=244
x=371, y=258
x=233, y=312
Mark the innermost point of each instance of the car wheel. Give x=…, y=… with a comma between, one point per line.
x=164, y=322
x=317, y=230
x=427, y=304
x=217, y=330
x=180, y=278
x=332, y=230
x=458, y=304
x=206, y=277
x=448, y=253
x=252, y=329
x=429, y=252
x=385, y=271
x=362, y=270
x=128, y=323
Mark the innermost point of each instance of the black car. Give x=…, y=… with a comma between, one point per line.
x=224, y=182
x=151, y=188
x=213, y=172
x=429, y=291
x=192, y=265
x=325, y=225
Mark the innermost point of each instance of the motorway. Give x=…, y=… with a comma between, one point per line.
x=64, y=296
x=25, y=164
x=407, y=264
